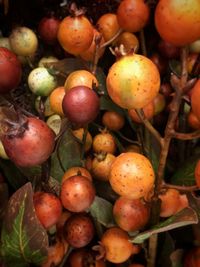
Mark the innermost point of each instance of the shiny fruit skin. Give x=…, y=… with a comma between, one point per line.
x=113, y=120
x=195, y=99
x=130, y=214
x=79, y=230
x=48, y=28
x=117, y=246
x=78, y=133
x=76, y=171
x=104, y=142
x=80, y=78
x=133, y=81
x=170, y=201
x=81, y=105
x=107, y=25
x=177, y=21
x=132, y=15
x=88, y=55
x=132, y=175
x=23, y=41
x=75, y=34
x=77, y=193
x=149, y=111
x=192, y=258
x=101, y=167
x=193, y=121
x=29, y=149
x=129, y=41
x=159, y=103
x=56, y=98
x=195, y=46
x=197, y=173
x=10, y=70
x=48, y=208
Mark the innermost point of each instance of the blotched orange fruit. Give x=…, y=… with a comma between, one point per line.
x=178, y=22
x=133, y=81
x=132, y=175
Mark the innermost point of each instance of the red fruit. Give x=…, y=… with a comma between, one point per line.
x=192, y=258
x=10, y=70
x=31, y=144
x=48, y=208
x=168, y=50
x=79, y=230
x=80, y=105
x=130, y=215
x=48, y=28
x=77, y=193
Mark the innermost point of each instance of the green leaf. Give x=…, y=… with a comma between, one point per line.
x=23, y=238
x=107, y=104
x=70, y=155
x=185, y=174
x=101, y=77
x=101, y=210
x=185, y=217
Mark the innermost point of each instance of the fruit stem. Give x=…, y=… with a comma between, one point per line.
x=181, y=187
x=186, y=136
x=112, y=39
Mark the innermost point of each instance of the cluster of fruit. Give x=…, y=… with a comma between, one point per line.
x=135, y=86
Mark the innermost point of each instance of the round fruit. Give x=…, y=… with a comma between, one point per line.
x=26, y=147
x=75, y=34
x=113, y=120
x=48, y=208
x=45, y=106
x=148, y=110
x=76, y=257
x=160, y=62
x=195, y=46
x=133, y=81
x=177, y=21
x=80, y=78
x=76, y=171
x=48, y=28
x=129, y=41
x=183, y=202
x=77, y=193
x=170, y=201
x=4, y=42
x=54, y=122
x=116, y=243
x=78, y=133
x=101, y=165
x=195, y=99
x=192, y=258
x=88, y=55
x=79, y=230
x=132, y=15
x=10, y=70
x=41, y=82
x=81, y=105
x=23, y=41
x=132, y=175
x=46, y=60
x=168, y=50
x=56, y=98
x=104, y=142
x=159, y=103
x=107, y=25
x=130, y=214
x=197, y=173
x=193, y=121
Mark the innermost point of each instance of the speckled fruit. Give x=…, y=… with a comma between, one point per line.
x=10, y=70
x=133, y=81
x=116, y=244
x=76, y=171
x=130, y=214
x=132, y=175
x=79, y=230
x=104, y=142
x=177, y=21
x=48, y=208
x=23, y=41
x=77, y=193
x=81, y=105
x=28, y=148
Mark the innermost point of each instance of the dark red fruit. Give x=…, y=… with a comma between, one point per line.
x=30, y=144
x=48, y=28
x=79, y=230
x=81, y=105
x=10, y=70
x=48, y=208
x=168, y=50
x=77, y=193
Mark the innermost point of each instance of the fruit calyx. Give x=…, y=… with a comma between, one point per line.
x=100, y=156
x=75, y=12
x=101, y=251
x=120, y=51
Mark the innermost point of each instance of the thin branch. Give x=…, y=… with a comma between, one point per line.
x=181, y=187
x=112, y=39
x=149, y=126
x=186, y=136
